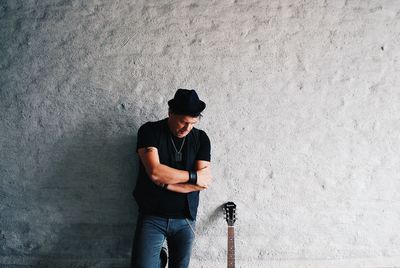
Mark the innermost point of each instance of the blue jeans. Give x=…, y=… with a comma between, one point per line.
x=152, y=231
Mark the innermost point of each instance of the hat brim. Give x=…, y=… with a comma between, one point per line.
x=193, y=110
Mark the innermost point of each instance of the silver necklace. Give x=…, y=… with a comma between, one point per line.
x=178, y=154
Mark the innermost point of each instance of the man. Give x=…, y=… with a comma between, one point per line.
x=174, y=167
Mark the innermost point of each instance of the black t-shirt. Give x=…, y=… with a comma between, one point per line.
x=147, y=137
x=172, y=204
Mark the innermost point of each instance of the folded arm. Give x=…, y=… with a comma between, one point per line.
x=186, y=187
x=175, y=178
x=159, y=173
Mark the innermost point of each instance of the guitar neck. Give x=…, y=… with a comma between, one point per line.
x=231, y=247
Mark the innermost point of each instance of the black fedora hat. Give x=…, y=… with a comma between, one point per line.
x=186, y=102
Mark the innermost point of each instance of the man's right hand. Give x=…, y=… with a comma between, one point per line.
x=204, y=177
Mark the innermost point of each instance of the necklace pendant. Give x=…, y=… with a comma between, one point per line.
x=178, y=154
x=178, y=157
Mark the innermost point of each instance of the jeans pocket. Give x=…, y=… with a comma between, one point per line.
x=192, y=225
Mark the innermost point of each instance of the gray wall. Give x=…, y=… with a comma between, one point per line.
x=303, y=114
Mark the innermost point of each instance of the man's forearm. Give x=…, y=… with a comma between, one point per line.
x=163, y=174
x=184, y=188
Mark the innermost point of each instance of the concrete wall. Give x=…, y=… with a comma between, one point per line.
x=303, y=114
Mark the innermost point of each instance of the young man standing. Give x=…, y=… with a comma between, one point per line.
x=174, y=167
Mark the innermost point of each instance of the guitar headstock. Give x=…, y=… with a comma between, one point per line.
x=230, y=213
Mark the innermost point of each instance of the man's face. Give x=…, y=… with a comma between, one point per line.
x=181, y=125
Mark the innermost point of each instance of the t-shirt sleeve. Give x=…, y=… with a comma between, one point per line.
x=147, y=137
x=204, y=152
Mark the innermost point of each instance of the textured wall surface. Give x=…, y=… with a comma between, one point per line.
x=303, y=114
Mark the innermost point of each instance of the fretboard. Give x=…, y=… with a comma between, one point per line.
x=231, y=247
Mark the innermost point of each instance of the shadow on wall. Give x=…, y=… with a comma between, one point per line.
x=87, y=198
x=206, y=224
